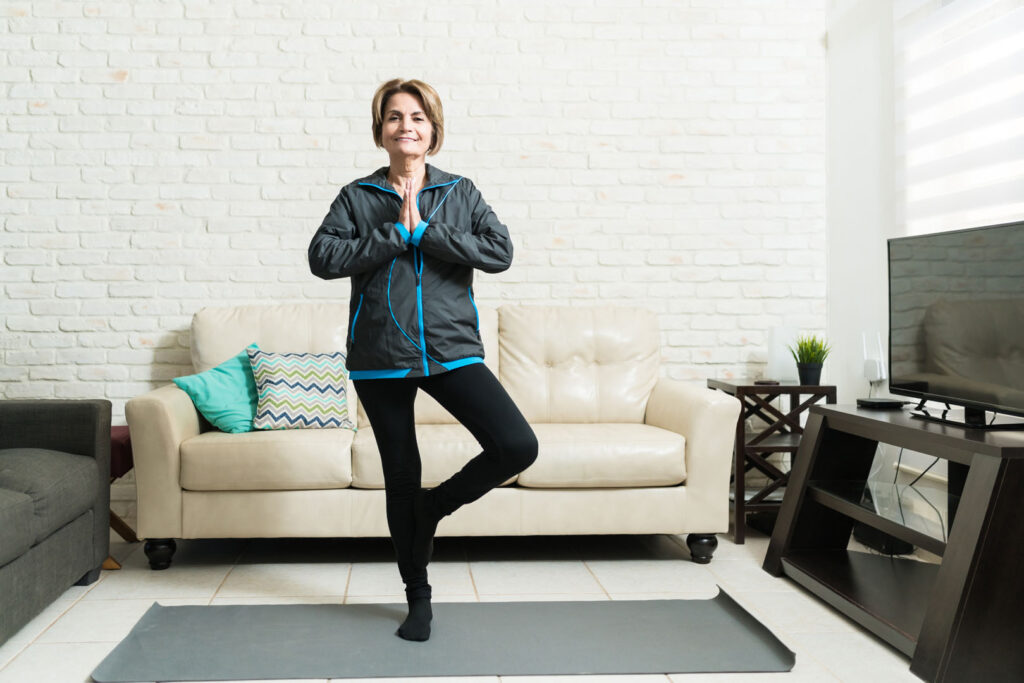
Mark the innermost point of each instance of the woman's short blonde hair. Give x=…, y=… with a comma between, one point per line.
x=431, y=107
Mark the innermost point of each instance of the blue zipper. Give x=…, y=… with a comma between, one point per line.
x=419, y=305
x=352, y=334
x=417, y=257
x=475, y=309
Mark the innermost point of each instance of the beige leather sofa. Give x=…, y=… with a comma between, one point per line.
x=621, y=449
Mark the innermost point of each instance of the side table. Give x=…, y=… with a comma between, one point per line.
x=782, y=435
x=120, y=463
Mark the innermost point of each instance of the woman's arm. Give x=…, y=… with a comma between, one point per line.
x=338, y=250
x=485, y=246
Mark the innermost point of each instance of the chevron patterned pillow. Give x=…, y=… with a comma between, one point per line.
x=300, y=390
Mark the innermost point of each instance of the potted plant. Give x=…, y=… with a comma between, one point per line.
x=810, y=354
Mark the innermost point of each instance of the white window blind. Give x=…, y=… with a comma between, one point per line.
x=959, y=96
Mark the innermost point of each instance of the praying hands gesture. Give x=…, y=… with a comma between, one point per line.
x=409, y=215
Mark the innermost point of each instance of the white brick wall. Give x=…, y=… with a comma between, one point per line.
x=161, y=156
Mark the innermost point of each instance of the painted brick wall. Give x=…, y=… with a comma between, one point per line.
x=162, y=156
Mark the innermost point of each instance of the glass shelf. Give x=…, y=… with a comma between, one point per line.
x=922, y=508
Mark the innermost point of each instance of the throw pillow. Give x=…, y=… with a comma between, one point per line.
x=224, y=395
x=300, y=390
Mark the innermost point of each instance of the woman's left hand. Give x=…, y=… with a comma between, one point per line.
x=412, y=210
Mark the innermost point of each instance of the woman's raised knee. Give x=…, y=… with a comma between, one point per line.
x=521, y=452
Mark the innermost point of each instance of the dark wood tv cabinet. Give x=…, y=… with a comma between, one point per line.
x=959, y=620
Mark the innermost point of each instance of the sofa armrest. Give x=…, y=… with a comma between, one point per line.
x=707, y=419
x=159, y=421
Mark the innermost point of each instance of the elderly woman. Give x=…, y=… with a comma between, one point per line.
x=410, y=236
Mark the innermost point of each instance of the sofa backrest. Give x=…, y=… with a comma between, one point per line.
x=578, y=363
x=558, y=363
x=220, y=332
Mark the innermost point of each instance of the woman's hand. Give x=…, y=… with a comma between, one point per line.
x=409, y=215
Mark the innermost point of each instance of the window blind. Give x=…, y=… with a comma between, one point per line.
x=959, y=113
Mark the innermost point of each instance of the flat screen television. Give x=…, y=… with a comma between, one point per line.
x=956, y=323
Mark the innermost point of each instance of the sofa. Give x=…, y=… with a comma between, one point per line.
x=54, y=502
x=622, y=450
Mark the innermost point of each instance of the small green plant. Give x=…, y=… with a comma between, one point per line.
x=810, y=349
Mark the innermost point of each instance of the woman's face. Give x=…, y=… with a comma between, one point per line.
x=407, y=132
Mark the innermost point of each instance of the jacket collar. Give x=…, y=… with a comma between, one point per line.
x=435, y=176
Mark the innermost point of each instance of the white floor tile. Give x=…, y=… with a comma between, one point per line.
x=376, y=578
x=856, y=657
x=743, y=575
x=541, y=597
x=103, y=621
x=638, y=576
x=56, y=663
x=276, y=600
x=806, y=670
x=285, y=580
x=564, y=576
x=795, y=611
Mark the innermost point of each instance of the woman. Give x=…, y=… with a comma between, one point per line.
x=409, y=235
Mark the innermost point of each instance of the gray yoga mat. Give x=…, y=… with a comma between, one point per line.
x=232, y=642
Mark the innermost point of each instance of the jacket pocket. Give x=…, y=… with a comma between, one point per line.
x=352, y=333
x=476, y=311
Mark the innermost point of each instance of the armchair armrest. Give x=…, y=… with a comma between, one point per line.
x=78, y=426
x=707, y=420
x=159, y=421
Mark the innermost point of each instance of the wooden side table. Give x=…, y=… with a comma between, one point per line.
x=120, y=463
x=782, y=435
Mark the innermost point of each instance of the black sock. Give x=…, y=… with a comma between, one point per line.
x=427, y=518
x=417, y=625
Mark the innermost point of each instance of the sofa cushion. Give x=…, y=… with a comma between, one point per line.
x=605, y=455
x=300, y=390
x=567, y=364
x=443, y=448
x=61, y=485
x=278, y=460
x=15, y=524
x=224, y=395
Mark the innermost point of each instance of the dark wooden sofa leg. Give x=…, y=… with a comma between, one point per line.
x=160, y=551
x=702, y=547
x=90, y=577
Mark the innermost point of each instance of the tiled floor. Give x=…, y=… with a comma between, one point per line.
x=66, y=642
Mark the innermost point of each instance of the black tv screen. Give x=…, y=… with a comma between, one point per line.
x=956, y=317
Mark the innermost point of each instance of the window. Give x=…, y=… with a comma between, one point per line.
x=959, y=108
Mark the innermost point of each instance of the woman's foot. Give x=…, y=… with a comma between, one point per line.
x=417, y=624
x=427, y=518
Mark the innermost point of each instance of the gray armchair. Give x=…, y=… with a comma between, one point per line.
x=54, y=502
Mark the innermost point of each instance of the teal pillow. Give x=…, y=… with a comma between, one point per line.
x=225, y=395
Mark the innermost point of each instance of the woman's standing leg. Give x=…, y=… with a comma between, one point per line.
x=473, y=395
x=389, y=407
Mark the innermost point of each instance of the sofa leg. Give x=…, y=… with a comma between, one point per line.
x=91, y=576
x=160, y=551
x=702, y=547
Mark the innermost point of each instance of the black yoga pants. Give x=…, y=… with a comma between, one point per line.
x=473, y=395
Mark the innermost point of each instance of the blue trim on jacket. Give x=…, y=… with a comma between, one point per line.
x=377, y=374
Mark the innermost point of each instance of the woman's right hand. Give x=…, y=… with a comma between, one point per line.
x=409, y=215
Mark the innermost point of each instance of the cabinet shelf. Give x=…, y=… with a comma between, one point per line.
x=886, y=595
x=784, y=442
x=848, y=498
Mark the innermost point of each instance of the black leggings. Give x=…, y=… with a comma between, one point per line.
x=474, y=397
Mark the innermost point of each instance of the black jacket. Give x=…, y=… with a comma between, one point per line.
x=412, y=312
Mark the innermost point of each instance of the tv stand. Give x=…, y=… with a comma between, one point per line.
x=958, y=620
x=970, y=418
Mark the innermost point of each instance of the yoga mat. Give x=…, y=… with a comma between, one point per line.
x=232, y=642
